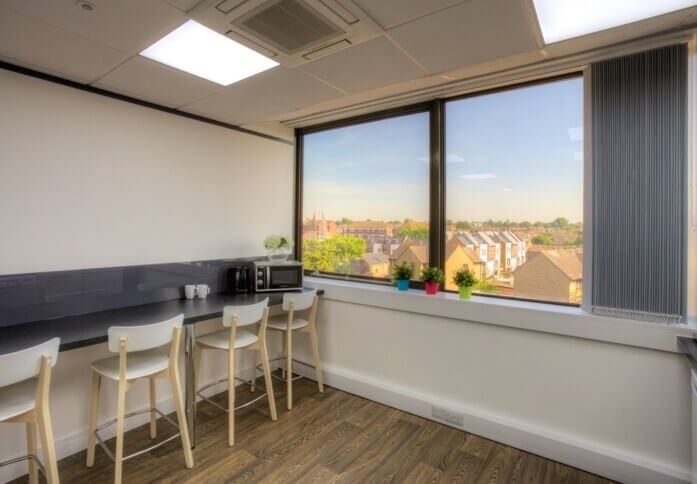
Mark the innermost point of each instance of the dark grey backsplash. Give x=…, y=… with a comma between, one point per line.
x=49, y=295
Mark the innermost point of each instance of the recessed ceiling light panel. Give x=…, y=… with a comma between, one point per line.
x=566, y=19
x=205, y=53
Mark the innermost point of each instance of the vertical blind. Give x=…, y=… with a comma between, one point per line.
x=639, y=176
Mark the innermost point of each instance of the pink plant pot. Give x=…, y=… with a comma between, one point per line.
x=431, y=287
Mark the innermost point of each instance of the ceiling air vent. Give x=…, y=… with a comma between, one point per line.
x=288, y=25
x=292, y=32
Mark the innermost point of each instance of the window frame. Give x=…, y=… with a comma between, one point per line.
x=437, y=174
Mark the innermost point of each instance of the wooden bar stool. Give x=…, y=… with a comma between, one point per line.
x=141, y=355
x=24, y=399
x=234, y=339
x=293, y=303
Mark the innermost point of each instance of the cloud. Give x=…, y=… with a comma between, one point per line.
x=578, y=155
x=479, y=176
x=576, y=134
x=507, y=189
x=449, y=158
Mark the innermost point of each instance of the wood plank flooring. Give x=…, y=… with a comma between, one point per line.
x=333, y=437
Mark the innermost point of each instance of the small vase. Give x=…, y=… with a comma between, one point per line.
x=403, y=284
x=431, y=287
x=279, y=254
x=465, y=292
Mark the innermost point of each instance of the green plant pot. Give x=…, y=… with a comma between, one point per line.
x=465, y=292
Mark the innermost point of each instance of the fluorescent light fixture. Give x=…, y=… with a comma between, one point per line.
x=205, y=53
x=565, y=19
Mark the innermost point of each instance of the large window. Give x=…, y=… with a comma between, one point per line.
x=365, y=196
x=500, y=175
x=514, y=206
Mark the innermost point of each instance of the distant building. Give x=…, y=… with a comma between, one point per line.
x=372, y=264
x=368, y=229
x=512, y=250
x=413, y=254
x=551, y=275
x=318, y=228
x=483, y=244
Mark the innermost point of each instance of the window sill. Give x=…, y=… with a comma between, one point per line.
x=545, y=318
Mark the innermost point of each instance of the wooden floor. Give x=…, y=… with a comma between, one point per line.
x=330, y=437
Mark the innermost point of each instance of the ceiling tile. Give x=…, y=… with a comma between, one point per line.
x=389, y=13
x=470, y=33
x=184, y=5
x=39, y=46
x=126, y=25
x=372, y=64
x=256, y=98
x=145, y=79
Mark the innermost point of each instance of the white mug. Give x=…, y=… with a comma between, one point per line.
x=190, y=291
x=202, y=290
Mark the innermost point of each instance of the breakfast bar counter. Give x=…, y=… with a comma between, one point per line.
x=90, y=329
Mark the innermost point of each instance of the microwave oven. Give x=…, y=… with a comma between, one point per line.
x=268, y=276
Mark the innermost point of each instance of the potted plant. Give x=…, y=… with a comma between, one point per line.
x=464, y=279
x=402, y=273
x=279, y=247
x=432, y=276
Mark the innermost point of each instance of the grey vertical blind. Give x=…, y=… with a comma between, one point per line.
x=639, y=139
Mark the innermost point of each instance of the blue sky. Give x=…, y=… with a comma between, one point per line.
x=514, y=154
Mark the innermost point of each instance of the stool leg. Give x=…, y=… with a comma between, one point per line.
x=254, y=372
x=153, y=404
x=120, y=412
x=315, y=356
x=31, y=449
x=267, y=378
x=285, y=346
x=197, y=371
x=181, y=415
x=231, y=396
x=94, y=409
x=289, y=370
x=47, y=446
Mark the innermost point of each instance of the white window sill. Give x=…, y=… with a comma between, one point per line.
x=546, y=318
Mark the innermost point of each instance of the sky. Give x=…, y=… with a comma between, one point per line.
x=513, y=154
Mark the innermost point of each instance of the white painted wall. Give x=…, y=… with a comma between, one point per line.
x=613, y=409
x=88, y=181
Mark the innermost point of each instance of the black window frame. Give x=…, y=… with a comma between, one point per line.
x=437, y=174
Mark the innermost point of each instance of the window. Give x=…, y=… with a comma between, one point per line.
x=514, y=172
x=365, y=196
x=506, y=172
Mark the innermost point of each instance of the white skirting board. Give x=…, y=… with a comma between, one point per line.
x=566, y=449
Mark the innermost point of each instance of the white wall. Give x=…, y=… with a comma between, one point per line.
x=88, y=181
x=613, y=409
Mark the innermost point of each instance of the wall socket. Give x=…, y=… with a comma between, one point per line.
x=446, y=415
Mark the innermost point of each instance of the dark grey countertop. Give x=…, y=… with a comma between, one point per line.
x=89, y=329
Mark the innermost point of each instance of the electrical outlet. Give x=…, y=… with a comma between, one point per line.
x=451, y=416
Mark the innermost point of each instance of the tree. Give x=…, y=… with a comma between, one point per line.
x=463, y=225
x=543, y=239
x=345, y=221
x=333, y=254
x=560, y=223
x=414, y=233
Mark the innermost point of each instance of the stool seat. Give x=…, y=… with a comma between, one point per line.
x=280, y=323
x=221, y=339
x=138, y=365
x=18, y=398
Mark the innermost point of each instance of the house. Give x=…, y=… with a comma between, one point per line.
x=112, y=159
x=554, y=274
x=416, y=255
x=319, y=228
x=372, y=264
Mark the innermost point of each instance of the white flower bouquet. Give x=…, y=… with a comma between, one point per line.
x=277, y=242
